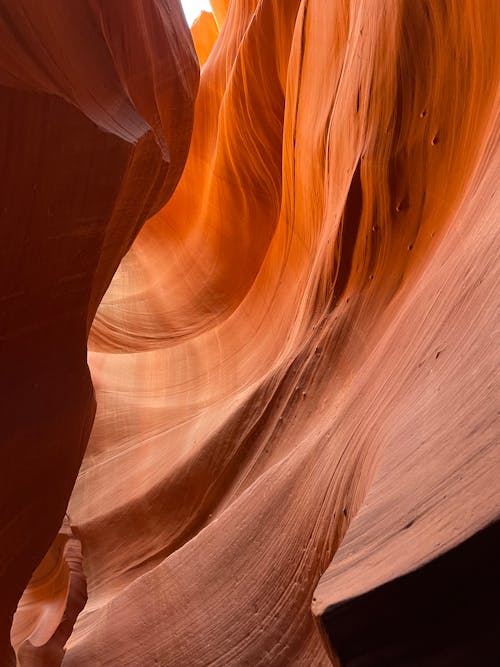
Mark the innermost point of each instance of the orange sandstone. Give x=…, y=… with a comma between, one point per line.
x=205, y=32
x=294, y=363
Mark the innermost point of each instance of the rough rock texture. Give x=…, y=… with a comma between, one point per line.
x=295, y=364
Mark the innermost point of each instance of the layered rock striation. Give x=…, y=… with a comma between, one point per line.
x=294, y=361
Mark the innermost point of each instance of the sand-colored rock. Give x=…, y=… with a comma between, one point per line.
x=295, y=363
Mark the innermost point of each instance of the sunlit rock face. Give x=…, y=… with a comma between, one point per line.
x=294, y=363
x=204, y=31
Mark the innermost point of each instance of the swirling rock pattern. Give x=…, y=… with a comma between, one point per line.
x=294, y=363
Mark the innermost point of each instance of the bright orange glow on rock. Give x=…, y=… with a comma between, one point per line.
x=286, y=282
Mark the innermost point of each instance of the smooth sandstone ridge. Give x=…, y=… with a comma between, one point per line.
x=294, y=458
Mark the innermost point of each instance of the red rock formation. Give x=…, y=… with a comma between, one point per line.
x=294, y=363
x=93, y=142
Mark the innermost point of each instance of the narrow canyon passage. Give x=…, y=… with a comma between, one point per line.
x=249, y=333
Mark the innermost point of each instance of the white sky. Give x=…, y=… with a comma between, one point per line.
x=193, y=8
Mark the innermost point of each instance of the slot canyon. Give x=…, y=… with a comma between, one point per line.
x=249, y=333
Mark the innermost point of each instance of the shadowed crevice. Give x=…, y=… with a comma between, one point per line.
x=444, y=614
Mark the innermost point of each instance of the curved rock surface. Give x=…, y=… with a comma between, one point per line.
x=204, y=31
x=295, y=363
x=93, y=142
x=48, y=609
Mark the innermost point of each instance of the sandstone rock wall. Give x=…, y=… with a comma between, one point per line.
x=294, y=364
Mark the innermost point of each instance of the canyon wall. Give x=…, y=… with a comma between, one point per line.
x=294, y=362
x=92, y=142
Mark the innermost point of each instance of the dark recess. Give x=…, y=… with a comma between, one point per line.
x=445, y=614
x=350, y=229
